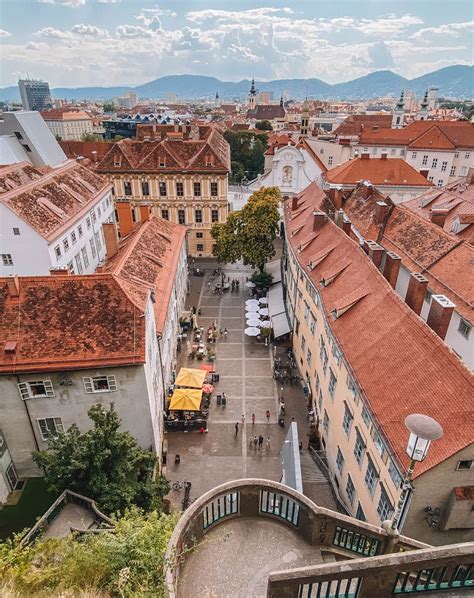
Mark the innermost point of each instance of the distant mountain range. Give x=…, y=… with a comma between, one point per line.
x=453, y=81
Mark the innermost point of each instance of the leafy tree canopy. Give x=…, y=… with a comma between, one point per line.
x=104, y=464
x=92, y=137
x=247, y=149
x=108, y=107
x=264, y=125
x=249, y=233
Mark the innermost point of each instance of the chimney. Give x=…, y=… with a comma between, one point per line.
x=347, y=226
x=366, y=189
x=438, y=216
x=337, y=198
x=365, y=156
x=375, y=253
x=392, y=267
x=440, y=314
x=319, y=219
x=94, y=155
x=365, y=246
x=59, y=271
x=294, y=203
x=13, y=286
x=144, y=213
x=380, y=214
x=111, y=240
x=416, y=292
x=384, y=156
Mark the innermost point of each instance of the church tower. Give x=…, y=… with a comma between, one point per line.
x=304, y=125
x=397, y=119
x=424, y=108
x=252, y=102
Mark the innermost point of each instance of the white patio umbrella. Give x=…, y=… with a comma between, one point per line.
x=266, y=324
x=263, y=301
x=251, y=309
x=263, y=311
x=252, y=302
x=250, y=284
x=254, y=322
x=252, y=331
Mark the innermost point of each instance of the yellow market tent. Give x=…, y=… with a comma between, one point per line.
x=186, y=399
x=190, y=377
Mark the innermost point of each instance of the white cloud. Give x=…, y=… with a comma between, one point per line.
x=83, y=29
x=449, y=29
x=53, y=33
x=108, y=1
x=35, y=46
x=379, y=57
x=69, y=3
x=4, y=33
x=133, y=31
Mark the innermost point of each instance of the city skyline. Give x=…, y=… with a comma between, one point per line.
x=110, y=42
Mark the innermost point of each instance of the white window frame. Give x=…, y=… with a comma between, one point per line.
x=57, y=423
x=89, y=384
x=26, y=391
x=85, y=257
x=7, y=259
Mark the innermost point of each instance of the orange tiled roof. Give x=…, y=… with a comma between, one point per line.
x=266, y=112
x=73, y=149
x=399, y=363
x=69, y=322
x=147, y=260
x=356, y=124
x=49, y=202
x=378, y=171
x=68, y=115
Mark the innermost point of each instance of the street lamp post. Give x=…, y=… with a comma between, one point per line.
x=423, y=430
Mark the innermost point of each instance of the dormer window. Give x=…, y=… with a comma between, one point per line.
x=209, y=160
x=162, y=162
x=117, y=160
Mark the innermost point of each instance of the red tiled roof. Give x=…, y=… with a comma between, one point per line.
x=400, y=364
x=68, y=115
x=378, y=171
x=69, y=322
x=443, y=135
x=73, y=149
x=355, y=124
x=49, y=202
x=147, y=259
x=266, y=112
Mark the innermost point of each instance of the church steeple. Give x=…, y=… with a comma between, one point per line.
x=304, y=125
x=252, y=101
x=397, y=118
x=424, y=108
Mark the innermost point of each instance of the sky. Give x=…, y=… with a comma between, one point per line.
x=74, y=43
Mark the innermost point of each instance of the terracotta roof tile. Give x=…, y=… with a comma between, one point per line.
x=267, y=112
x=400, y=364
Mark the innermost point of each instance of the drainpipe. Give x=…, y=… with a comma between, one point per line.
x=29, y=417
x=159, y=338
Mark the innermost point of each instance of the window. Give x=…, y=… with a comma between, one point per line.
x=66, y=244
x=297, y=326
x=351, y=385
x=464, y=171
x=88, y=222
x=337, y=353
x=79, y=263
x=394, y=474
x=99, y=211
x=303, y=344
x=330, y=160
x=350, y=489
x=199, y=235
x=323, y=355
x=431, y=179
x=97, y=241
x=57, y=252
x=312, y=325
x=70, y=267
x=127, y=185
x=165, y=214
x=425, y=160
x=197, y=189
x=12, y=477
x=162, y=162
x=99, y=384
x=162, y=188
x=464, y=465
x=198, y=215
x=413, y=155
x=214, y=215
x=309, y=355
x=145, y=188
x=214, y=191
x=440, y=182
x=79, y=230
x=332, y=383
x=7, y=259
x=434, y=164
x=92, y=244
x=18, y=135
x=36, y=389
x=50, y=426
x=340, y=460
x=200, y=247
x=393, y=151
x=359, y=448
x=453, y=171
x=347, y=421
x=85, y=257
x=456, y=155
x=371, y=476
x=93, y=216
x=179, y=189
x=444, y=166
x=467, y=155
x=27, y=147
x=360, y=513
x=181, y=217
x=379, y=443
x=385, y=507
x=73, y=237
x=16, y=231
x=326, y=421
x=464, y=328
x=320, y=400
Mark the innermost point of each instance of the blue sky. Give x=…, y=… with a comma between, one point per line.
x=107, y=42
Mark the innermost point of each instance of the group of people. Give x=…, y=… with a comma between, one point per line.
x=257, y=441
x=235, y=284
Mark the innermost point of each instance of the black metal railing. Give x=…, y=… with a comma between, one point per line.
x=356, y=542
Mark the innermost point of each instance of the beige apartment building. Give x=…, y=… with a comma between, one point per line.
x=68, y=125
x=178, y=172
x=369, y=361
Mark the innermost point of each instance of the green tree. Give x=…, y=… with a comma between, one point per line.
x=108, y=107
x=92, y=137
x=249, y=233
x=237, y=170
x=247, y=149
x=264, y=125
x=103, y=463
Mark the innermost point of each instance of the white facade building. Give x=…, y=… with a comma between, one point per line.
x=68, y=125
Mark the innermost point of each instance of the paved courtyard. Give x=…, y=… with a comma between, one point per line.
x=245, y=368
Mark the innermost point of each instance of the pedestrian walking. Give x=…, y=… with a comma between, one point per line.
x=250, y=441
x=253, y=418
x=243, y=419
x=255, y=442
x=282, y=400
x=236, y=428
x=209, y=285
x=267, y=444
x=268, y=416
x=225, y=332
x=260, y=442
